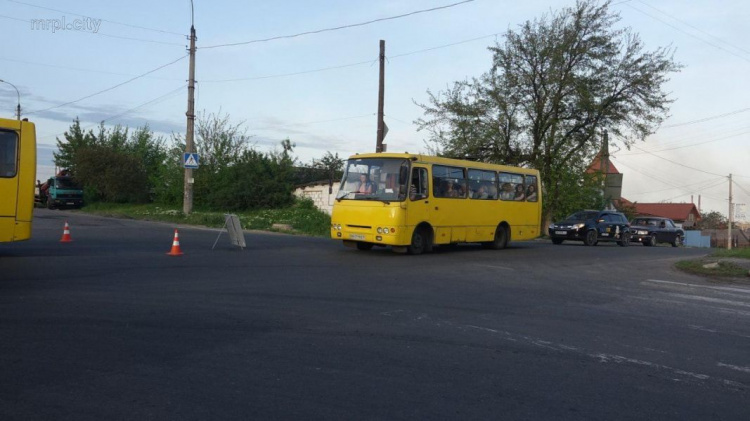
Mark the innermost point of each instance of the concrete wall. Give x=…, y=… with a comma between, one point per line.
x=319, y=194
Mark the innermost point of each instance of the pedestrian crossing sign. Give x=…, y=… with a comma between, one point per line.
x=190, y=160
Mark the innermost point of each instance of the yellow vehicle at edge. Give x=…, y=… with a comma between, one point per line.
x=17, y=179
x=414, y=202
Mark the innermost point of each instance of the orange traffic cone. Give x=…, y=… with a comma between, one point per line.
x=66, y=234
x=175, y=245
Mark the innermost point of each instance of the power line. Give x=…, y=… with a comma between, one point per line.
x=687, y=146
x=359, y=63
x=444, y=46
x=103, y=20
x=677, y=163
x=741, y=188
x=152, y=101
x=289, y=74
x=311, y=122
x=701, y=120
x=694, y=27
x=318, y=31
x=715, y=182
x=77, y=69
x=689, y=34
x=108, y=89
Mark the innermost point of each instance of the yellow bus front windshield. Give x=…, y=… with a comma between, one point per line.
x=382, y=179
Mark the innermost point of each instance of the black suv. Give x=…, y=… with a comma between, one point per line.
x=592, y=226
x=651, y=230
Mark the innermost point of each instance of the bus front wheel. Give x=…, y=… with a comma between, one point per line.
x=420, y=242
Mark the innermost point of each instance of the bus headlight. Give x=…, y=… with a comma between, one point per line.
x=380, y=230
x=385, y=231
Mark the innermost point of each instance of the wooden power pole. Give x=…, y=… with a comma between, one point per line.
x=381, y=95
x=187, y=203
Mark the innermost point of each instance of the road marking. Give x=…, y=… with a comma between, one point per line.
x=683, y=375
x=734, y=367
x=495, y=267
x=742, y=290
x=710, y=299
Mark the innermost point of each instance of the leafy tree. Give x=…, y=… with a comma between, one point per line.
x=111, y=175
x=332, y=165
x=555, y=83
x=712, y=220
x=116, y=164
x=75, y=139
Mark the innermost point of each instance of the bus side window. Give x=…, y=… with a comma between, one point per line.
x=418, y=187
x=8, y=145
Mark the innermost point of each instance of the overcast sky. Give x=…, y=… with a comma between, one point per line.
x=320, y=90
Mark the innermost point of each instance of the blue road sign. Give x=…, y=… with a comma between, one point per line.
x=190, y=160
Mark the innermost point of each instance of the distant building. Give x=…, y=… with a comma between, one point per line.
x=683, y=214
x=322, y=193
x=598, y=164
x=719, y=237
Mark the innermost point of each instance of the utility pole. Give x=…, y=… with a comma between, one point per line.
x=381, y=95
x=729, y=225
x=187, y=203
x=605, y=167
x=18, y=107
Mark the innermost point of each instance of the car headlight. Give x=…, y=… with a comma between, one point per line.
x=579, y=225
x=551, y=226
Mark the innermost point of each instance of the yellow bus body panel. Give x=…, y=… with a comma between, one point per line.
x=17, y=192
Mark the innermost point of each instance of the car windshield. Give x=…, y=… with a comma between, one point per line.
x=381, y=179
x=646, y=222
x=66, y=183
x=582, y=216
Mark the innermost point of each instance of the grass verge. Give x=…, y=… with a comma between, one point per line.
x=723, y=269
x=719, y=264
x=742, y=253
x=302, y=216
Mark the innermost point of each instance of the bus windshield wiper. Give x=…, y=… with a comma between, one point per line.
x=338, y=199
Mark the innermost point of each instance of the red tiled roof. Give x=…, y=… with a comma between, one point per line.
x=674, y=211
x=596, y=165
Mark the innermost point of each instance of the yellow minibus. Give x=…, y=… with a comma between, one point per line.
x=17, y=175
x=414, y=202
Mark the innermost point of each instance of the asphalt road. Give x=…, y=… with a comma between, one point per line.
x=109, y=327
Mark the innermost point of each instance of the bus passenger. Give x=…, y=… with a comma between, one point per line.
x=507, y=192
x=450, y=190
x=365, y=186
x=462, y=189
x=492, y=192
x=531, y=193
x=481, y=193
x=519, y=193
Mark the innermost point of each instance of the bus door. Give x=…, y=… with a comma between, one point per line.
x=9, y=144
x=448, y=215
x=419, y=196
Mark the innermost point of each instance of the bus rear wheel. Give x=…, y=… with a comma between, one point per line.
x=500, y=241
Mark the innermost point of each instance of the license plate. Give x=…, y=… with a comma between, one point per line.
x=357, y=236
x=70, y=203
x=605, y=234
x=561, y=232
